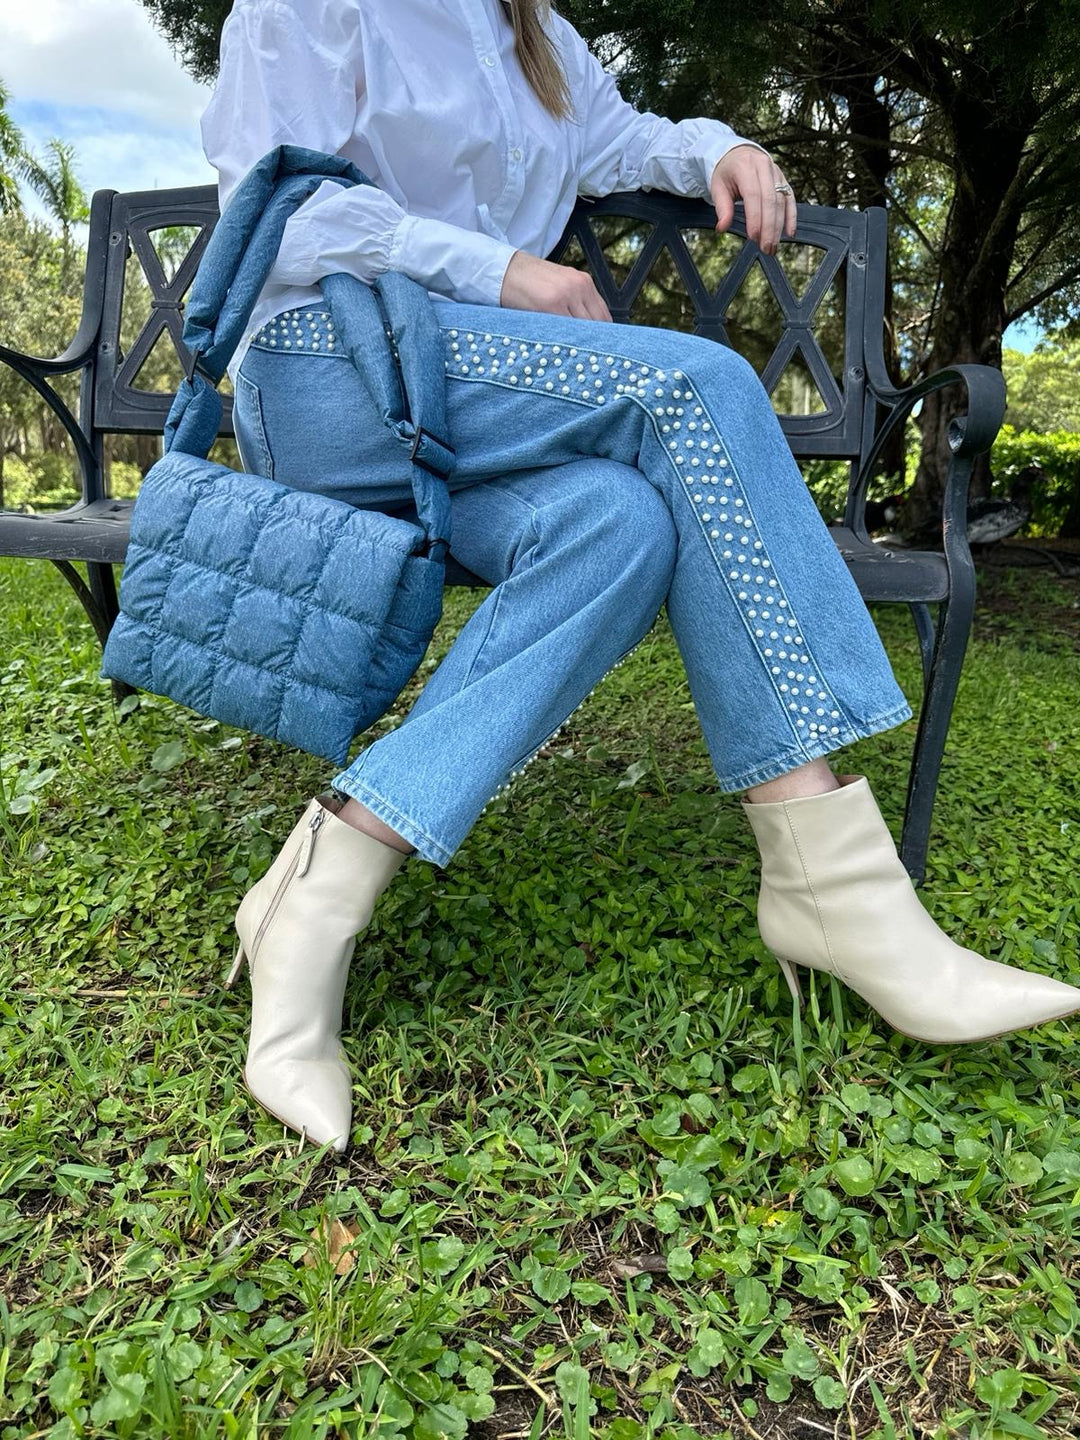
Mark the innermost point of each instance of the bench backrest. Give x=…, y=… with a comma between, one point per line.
x=806, y=318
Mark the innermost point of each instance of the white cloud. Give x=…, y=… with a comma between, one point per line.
x=96, y=52
x=97, y=73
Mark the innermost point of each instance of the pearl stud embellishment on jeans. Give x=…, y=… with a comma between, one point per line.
x=303, y=330
x=707, y=476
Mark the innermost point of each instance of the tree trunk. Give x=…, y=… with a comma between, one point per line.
x=976, y=261
x=1070, y=525
x=870, y=132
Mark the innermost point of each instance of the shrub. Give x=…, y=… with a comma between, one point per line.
x=1056, y=500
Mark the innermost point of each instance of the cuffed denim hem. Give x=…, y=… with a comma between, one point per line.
x=426, y=847
x=792, y=759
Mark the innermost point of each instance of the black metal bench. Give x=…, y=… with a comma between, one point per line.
x=655, y=258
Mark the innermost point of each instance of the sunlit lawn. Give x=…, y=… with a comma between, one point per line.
x=599, y=1183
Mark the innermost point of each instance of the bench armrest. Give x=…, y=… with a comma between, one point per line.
x=34, y=371
x=970, y=434
x=81, y=350
x=80, y=353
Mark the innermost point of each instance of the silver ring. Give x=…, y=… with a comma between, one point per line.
x=782, y=189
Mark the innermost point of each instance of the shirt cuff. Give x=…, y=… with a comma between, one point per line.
x=463, y=264
x=708, y=153
x=347, y=228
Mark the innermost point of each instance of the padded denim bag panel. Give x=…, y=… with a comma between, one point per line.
x=282, y=611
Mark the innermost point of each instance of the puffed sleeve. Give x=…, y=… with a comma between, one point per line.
x=630, y=149
x=288, y=77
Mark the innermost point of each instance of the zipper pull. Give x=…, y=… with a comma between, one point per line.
x=309, y=841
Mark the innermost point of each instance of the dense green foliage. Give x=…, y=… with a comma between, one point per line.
x=1056, y=498
x=12, y=153
x=602, y=1184
x=193, y=29
x=39, y=314
x=1044, y=387
x=41, y=281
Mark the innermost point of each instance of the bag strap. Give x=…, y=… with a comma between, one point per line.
x=410, y=393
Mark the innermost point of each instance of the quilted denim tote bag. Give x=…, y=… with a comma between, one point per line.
x=282, y=611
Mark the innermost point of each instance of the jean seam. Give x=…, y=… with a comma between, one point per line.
x=497, y=601
x=304, y=354
x=527, y=756
x=796, y=627
x=248, y=387
x=414, y=833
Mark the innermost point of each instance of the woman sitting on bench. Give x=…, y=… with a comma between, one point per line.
x=603, y=470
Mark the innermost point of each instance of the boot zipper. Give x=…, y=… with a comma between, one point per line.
x=298, y=866
x=307, y=848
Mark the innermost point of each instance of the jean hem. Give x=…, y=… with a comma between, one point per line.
x=426, y=846
x=792, y=759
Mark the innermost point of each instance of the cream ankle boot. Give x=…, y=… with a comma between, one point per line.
x=297, y=929
x=836, y=897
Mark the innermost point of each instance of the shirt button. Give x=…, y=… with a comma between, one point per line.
x=489, y=59
x=516, y=153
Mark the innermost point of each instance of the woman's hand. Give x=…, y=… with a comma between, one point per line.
x=749, y=174
x=534, y=284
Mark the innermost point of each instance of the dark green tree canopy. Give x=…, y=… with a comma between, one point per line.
x=193, y=29
x=960, y=116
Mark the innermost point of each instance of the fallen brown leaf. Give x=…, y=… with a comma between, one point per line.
x=341, y=1235
x=639, y=1265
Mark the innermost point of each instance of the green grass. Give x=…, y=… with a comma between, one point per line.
x=601, y=1183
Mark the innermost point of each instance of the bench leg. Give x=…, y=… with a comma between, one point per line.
x=103, y=589
x=924, y=629
x=942, y=679
x=100, y=603
x=87, y=598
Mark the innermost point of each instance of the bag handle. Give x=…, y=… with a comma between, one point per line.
x=234, y=267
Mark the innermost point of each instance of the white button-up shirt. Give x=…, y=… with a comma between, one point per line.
x=429, y=100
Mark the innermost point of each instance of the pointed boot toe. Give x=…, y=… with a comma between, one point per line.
x=1023, y=996
x=835, y=897
x=312, y=1097
x=297, y=928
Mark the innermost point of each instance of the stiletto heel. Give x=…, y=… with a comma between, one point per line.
x=230, y=979
x=835, y=898
x=792, y=980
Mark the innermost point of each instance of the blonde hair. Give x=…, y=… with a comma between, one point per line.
x=538, y=55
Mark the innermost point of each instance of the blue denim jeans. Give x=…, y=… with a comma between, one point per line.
x=603, y=470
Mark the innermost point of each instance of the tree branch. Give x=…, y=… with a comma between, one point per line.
x=1069, y=278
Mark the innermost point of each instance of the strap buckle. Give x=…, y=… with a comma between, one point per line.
x=418, y=439
x=191, y=364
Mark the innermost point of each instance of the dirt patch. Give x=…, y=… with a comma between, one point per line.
x=1022, y=598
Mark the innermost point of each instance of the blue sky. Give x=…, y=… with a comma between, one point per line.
x=96, y=72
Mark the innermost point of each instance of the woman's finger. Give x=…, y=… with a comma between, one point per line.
x=586, y=302
x=724, y=201
x=779, y=210
x=595, y=307
x=770, y=219
x=792, y=215
x=789, y=214
x=776, y=208
x=750, y=188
